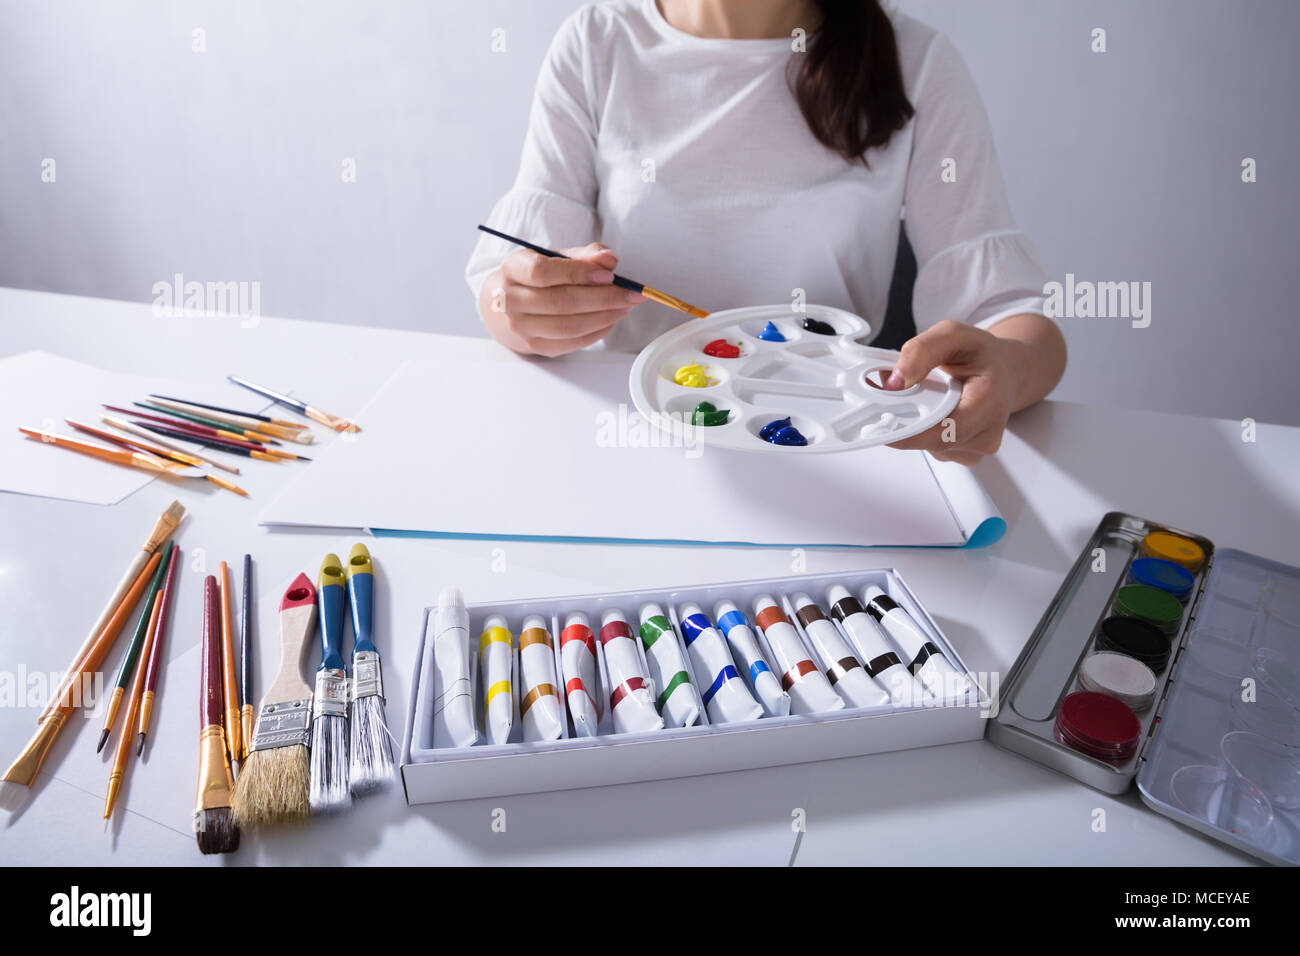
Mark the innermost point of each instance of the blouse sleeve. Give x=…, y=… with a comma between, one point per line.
x=973, y=264
x=553, y=200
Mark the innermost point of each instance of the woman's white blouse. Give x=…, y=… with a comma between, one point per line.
x=690, y=159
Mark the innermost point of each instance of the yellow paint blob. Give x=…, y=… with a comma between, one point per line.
x=693, y=376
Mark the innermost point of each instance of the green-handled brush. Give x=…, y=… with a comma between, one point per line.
x=329, y=725
x=371, y=765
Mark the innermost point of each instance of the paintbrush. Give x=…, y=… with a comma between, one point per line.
x=132, y=459
x=228, y=672
x=158, y=452
x=370, y=765
x=162, y=530
x=256, y=416
x=214, y=824
x=139, y=432
x=302, y=408
x=273, y=783
x=290, y=431
x=153, y=665
x=221, y=428
x=22, y=772
x=663, y=298
x=247, y=449
x=132, y=711
x=246, y=662
x=329, y=726
x=127, y=668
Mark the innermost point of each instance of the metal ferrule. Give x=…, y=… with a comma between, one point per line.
x=283, y=725
x=215, y=780
x=367, y=677
x=331, y=693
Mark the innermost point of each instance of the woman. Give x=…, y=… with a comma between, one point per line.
x=749, y=152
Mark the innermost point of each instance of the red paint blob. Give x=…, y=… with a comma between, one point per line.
x=721, y=348
x=1098, y=725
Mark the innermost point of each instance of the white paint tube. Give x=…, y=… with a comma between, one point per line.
x=923, y=658
x=630, y=700
x=578, y=659
x=843, y=669
x=679, y=702
x=880, y=660
x=723, y=690
x=453, y=693
x=539, y=703
x=744, y=648
x=495, y=656
x=810, y=692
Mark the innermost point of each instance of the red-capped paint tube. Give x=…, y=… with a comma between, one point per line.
x=578, y=661
x=879, y=659
x=726, y=697
x=630, y=699
x=679, y=702
x=495, y=660
x=744, y=648
x=843, y=669
x=922, y=657
x=810, y=692
x=539, y=701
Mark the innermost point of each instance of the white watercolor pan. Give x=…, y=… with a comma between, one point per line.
x=828, y=385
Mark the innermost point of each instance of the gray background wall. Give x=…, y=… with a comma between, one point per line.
x=226, y=165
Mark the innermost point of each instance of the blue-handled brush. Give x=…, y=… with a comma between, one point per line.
x=371, y=766
x=329, y=727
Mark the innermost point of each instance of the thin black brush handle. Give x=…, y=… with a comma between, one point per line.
x=246, y=635
x=619, y=281
x=213, y=408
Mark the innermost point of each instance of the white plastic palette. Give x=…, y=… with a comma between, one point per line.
x=831, y=387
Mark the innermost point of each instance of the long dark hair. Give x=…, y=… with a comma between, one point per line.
x=849, y=83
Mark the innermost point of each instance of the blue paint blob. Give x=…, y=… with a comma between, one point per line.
x=781, y=432
x=771, y=333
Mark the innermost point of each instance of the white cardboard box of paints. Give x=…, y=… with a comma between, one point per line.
x=949, y=709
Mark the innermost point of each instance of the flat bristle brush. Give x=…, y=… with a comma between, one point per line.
x=214, y=824
x=273, y=783
x=663, y=298
x=370, y=758
x=329, y=725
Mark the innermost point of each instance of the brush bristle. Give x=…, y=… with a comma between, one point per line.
x=11, y=795
x=272, y=787
x=217, y=832
x=329, y=764
x=371, y=766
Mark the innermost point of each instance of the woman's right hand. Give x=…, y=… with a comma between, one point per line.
x=538, y=305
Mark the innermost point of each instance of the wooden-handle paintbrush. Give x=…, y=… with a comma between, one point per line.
x=157, y=451
x=162, y=530
x=228, y=655
x=153, y=665
x=22, y=772
x=123, y=752
x=288, y=431
x=254, y=416
x=273, y=785
x=133, y=459
x=214, y=826
x=127, y=667
x=122, y=425
x=246, y=662
x=301, y=407
x=220, y=427
x=663, y=298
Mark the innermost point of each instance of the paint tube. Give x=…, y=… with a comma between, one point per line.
x=453, y=692
x=630, y=701
x=725, y=695
x=744, y=647
x=495, y=656
x=679, y=702
x=843, y=669
x=539, y=704
x=881, y=662
x=923, y=658
x=578, y=659
x=810, y=692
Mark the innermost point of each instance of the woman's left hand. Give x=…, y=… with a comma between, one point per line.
x=993, y=373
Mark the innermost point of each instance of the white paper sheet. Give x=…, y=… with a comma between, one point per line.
x=507, y=447
x=39, y=390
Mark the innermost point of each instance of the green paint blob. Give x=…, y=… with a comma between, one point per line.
x=707, y=414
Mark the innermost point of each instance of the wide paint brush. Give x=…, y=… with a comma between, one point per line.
x=663, y=298
x=214, y=824
x=370, y=764
x=329, y=726
x=273, y=785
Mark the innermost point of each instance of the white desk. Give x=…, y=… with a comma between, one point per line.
x=1061, y=467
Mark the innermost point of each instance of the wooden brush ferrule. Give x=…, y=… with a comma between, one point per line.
x=216, y=782
x=114, y=704
x=24, y=769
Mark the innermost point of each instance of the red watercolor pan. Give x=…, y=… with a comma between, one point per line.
x=1098, y=725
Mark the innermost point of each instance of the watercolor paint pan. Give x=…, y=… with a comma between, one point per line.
x=763, y=365
x=431, y=774
x=1238, y=625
